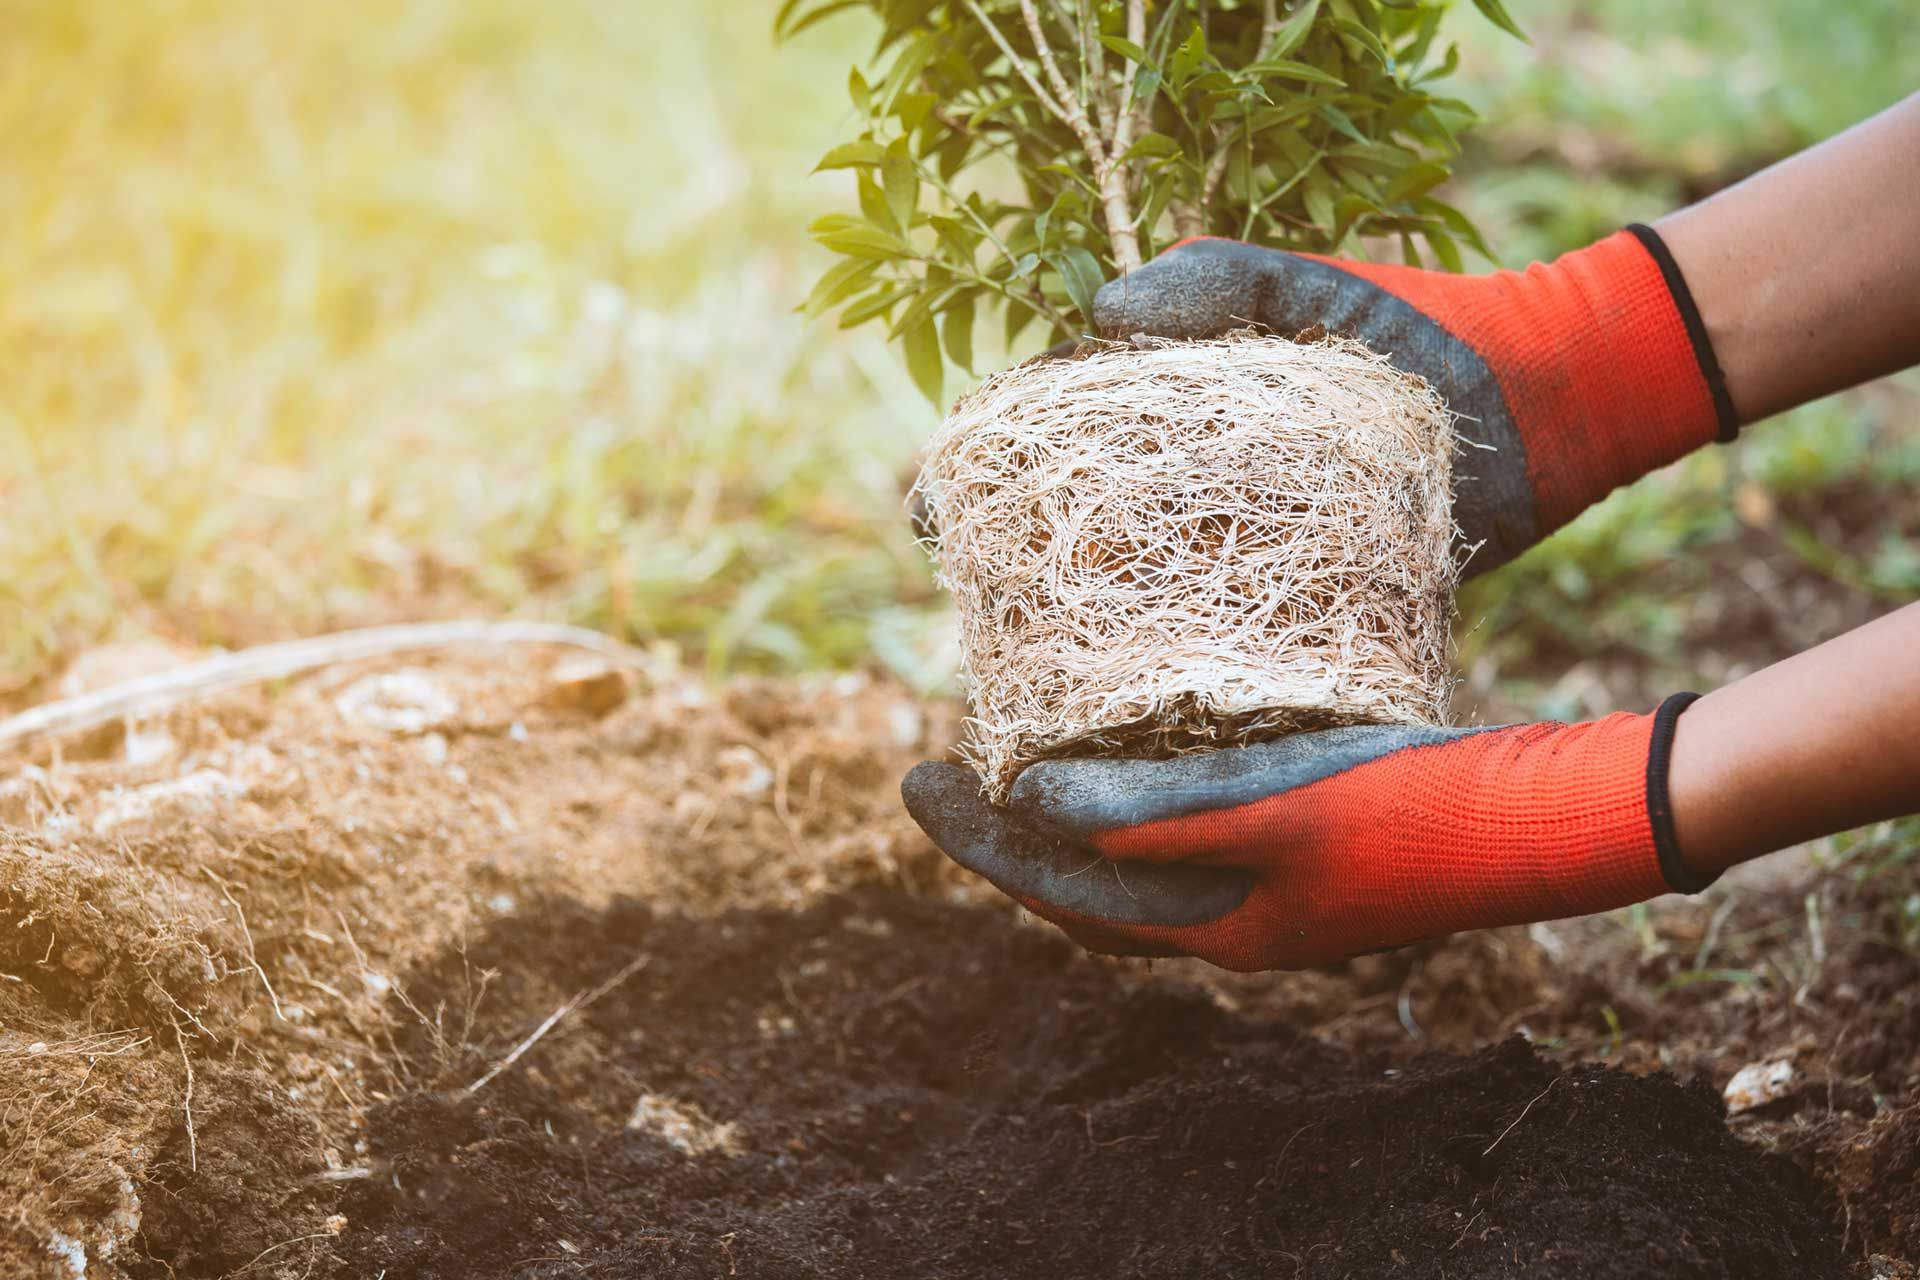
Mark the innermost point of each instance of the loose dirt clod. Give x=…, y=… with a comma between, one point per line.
x=1164, y=547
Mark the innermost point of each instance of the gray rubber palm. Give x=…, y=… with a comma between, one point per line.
x=1035, y=847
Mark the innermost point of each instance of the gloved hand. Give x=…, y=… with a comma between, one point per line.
x=1301, y=851
x=1582, y=374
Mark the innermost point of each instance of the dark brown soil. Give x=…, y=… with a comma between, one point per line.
x=921, y=1089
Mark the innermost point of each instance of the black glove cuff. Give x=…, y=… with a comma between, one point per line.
x=1696, y=329
x=1680, y=877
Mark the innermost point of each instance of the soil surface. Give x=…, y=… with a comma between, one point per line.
x=887, y=1087
x=729, y=1014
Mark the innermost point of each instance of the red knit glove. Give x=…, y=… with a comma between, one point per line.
x=1582, y=374
x=1301, y=851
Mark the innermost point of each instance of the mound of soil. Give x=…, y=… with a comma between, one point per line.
x=887, y=1086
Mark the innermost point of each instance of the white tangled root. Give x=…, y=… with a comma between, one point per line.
x=1164, y=547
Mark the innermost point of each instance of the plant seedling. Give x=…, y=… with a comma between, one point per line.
x=1013, y=155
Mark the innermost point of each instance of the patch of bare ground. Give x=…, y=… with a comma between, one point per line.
x=728, y=1013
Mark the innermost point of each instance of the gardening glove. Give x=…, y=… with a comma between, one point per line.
x=1582, y=374
x=1301, y=851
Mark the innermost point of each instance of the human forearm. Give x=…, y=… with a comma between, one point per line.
x=1822, y=742
x=1807, y=274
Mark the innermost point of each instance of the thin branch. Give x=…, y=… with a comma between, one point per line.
x=1051, y=65
x=1113, y=179
x=1105, y=161
x=1216, y=170
x=1057, y=109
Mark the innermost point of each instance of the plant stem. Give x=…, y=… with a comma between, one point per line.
x=1216, y=170
x=1059, y=110
x=1077, y=117
x=1114, y=195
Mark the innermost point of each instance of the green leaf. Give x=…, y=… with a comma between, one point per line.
x=1340, y=120
x=902, y=183
x=1443, y=248
x=1415, y=180
x=994, y=108
x=1067, y=171
x=953, y=155
x=858, y=92
x=1497, y=13
x=1187, y=59
x=864, y=154
x=1270, y=117
x=923, y=306
x=1153, y=145
x=873, y=203
x=1458, y=223
x=1127, y=49
x=1293, y=29
x=1427, y=25
x=864, y=242
x=1408, y=254
x=1081, y=276
x=1160, y=191
x=960, y=238
x=913, y=109
x=907, y=67
x=1288, y=69
x=956, y=332
x=879, y=302
x=921, y=343
x=1364, y=38
x=1067, y=205
x=1318, y=199
x=1348, y=210
x=1448, y=65
x=840, y=281
x=827, y=222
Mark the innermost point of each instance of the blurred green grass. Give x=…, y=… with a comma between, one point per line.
x=316, y=316
x=321, y=315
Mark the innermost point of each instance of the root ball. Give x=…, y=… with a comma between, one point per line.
x=1163, y=547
